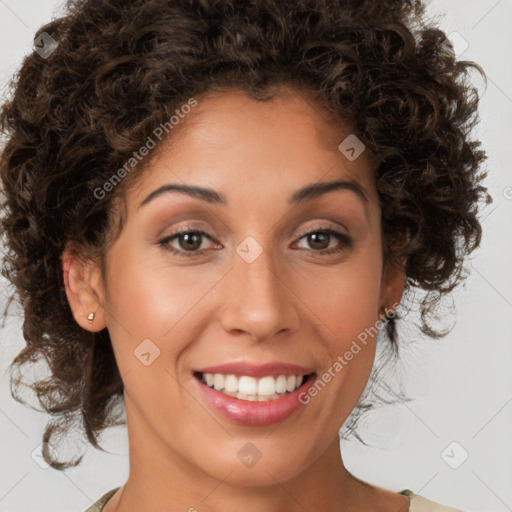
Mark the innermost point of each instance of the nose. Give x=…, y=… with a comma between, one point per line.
x=258, y=301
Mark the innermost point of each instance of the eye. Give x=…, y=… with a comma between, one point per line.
x=189, y=241
x=319, y=240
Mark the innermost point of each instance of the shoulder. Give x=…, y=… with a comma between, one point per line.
x=96, y=507
x=422, y=504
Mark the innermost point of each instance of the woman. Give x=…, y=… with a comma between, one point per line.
x=212, y=207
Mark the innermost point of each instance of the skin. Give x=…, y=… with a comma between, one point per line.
x=291, y=304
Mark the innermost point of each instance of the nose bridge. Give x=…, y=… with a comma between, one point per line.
x=258, y=302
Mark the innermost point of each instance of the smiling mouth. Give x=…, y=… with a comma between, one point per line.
x=245, y=387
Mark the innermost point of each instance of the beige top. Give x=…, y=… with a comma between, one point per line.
x=417, y=503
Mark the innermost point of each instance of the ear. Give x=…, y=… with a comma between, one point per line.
x=84, y=290
x=392, y=287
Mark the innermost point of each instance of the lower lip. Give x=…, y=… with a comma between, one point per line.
x=245, y=412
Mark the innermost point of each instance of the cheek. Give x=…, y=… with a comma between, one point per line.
x=346, y=304
x=148, y=294
x=150, y=299
x=345, y=300
x=350, y=309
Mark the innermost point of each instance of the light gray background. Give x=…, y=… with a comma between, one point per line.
x=461, y=384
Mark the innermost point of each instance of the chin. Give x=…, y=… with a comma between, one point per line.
x=251, y=467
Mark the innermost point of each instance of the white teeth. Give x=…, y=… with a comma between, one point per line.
x=218, y=381
x=231, y=384
x=267, y=386
x=248, y=385
x=281, y=384
x=252, y=389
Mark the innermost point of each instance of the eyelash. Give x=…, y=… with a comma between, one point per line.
x=345, y=241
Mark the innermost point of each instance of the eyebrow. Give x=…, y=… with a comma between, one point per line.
x=306, y=193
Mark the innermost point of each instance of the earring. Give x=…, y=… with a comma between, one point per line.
x=90, y=317
x=386, y=314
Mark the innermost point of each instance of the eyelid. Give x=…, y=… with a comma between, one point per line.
x=345, y=242
x=311, y=229
x=185, y=230
x=321, y=227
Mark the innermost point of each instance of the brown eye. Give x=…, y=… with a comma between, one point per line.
x=189, y=241
x=319, y=239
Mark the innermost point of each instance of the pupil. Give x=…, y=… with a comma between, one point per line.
x=319, y=237
x=191, y=238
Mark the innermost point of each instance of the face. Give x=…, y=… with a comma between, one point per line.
x=260, y=275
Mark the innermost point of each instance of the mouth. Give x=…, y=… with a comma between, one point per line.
x=252, y=389
x=254, y=400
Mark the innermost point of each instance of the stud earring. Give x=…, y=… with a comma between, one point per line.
x=385, y=313
x=90, y=317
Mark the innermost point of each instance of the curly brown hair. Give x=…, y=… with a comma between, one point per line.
x=121, y=68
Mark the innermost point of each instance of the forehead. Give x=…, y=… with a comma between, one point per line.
x=295, y=113
x=232, y=140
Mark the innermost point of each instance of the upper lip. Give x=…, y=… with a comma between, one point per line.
x=257, y=370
